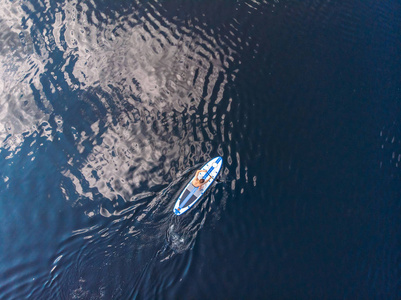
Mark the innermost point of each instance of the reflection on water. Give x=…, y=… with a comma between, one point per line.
x=108, y=107
x=114, y=103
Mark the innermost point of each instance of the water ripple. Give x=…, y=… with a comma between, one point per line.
x=106, y=110
x=114, y=105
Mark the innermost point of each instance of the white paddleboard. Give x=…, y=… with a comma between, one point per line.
x=191, y=194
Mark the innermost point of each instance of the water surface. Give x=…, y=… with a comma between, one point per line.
x=107, y=108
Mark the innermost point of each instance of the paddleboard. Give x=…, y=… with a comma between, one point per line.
x=191, y=194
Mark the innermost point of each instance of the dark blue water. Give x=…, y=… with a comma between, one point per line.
x=107, y=108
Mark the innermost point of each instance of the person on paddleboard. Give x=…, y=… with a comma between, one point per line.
x=200, y=182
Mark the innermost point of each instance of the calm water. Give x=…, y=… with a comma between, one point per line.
x=108, y=107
